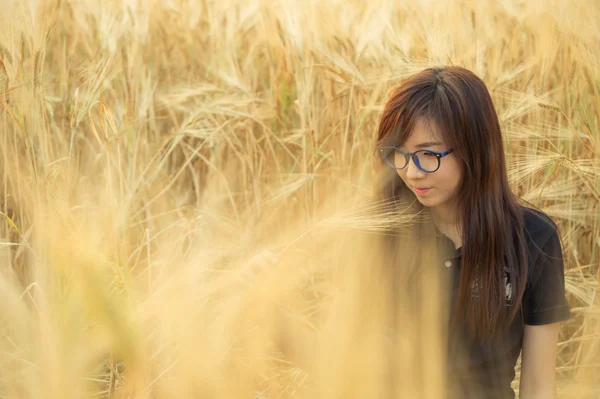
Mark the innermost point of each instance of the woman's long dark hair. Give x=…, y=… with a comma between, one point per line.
x=458, y=102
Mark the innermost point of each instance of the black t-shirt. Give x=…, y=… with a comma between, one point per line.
x=484, y=370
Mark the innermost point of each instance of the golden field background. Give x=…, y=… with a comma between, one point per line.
x=185, y=189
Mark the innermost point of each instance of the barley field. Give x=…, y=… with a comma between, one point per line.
x=185, y=189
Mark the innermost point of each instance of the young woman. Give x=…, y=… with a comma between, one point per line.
x=440, y=142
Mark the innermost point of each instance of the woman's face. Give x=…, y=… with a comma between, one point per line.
x=436, y=190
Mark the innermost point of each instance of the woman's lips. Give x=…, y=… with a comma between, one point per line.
x=421, y=191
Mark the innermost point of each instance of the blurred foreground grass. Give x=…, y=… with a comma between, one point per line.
x=154, y=153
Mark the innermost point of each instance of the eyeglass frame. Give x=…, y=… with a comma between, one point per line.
x=408, y=155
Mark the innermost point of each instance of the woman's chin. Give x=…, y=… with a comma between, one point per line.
x=428, y=202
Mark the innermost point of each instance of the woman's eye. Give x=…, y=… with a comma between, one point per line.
x=429, y=154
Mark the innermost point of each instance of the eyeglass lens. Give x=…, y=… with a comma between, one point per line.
x=426, y=161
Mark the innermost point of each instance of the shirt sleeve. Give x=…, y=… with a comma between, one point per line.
x=544, y=300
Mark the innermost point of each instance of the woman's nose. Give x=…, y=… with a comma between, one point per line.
x=412, y=171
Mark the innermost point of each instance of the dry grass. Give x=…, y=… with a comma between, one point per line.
x=155, y=153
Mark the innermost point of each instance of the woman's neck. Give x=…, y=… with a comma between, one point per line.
x=445, y=216
x=446, y=221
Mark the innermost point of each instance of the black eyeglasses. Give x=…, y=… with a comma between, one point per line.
x=426, y=160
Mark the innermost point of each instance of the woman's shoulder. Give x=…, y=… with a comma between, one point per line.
x=544, y=300
x=539, y=227
x=536, y=220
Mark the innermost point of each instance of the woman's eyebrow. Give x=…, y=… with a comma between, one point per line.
x=429, y=144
